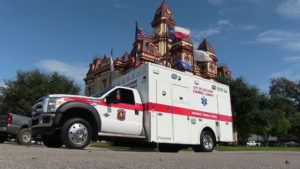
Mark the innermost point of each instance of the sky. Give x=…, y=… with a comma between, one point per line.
x=256, y=39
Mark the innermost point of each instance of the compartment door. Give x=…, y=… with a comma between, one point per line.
x=181, y=120
x=164, y=116
x=224, y=128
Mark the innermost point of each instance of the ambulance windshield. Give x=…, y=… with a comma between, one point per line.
x=101, y=92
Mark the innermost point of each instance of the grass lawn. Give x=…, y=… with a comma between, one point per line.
x=219, y=148
x=245, y=148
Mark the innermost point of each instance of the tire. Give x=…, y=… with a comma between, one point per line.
x=24, y=137
x=76, y=133
x=52, y=141
x=3, y=139
x=168, y=148
x=207, y=142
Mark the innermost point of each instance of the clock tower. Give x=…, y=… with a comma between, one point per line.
x=162, y=19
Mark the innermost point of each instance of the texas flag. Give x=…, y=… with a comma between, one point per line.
x=178, y=32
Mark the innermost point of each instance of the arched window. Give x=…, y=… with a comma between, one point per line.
x=89, y=92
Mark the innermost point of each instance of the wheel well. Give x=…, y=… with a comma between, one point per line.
x=208, y=129
x=24, y=126
x=81, y=113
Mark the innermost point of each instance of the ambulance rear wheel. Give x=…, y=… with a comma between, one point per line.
x=207, y=142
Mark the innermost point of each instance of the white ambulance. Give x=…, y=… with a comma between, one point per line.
x=153, y=103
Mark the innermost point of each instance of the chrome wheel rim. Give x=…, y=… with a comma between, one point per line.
x=78, y=133
x=208, y=142
x=26, y=137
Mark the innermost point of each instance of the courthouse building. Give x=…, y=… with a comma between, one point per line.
x=158, y=48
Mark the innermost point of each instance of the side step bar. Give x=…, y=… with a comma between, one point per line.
x=118, y=135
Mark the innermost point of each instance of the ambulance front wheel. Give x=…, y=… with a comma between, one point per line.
x=76, y=133
x=207, y=142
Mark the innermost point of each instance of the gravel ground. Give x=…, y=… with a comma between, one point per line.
x=14, y=156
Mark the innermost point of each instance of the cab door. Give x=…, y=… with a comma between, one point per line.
x=121, y=114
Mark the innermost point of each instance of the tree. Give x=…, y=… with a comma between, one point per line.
x=262, y=114
x=289, y=92
x=269, y=119
x=19, y=95
x=285, y=88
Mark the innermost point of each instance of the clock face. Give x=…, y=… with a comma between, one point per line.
x=211, y=68
x=187, y=59
x=157, y=30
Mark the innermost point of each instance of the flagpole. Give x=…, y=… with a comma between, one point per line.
x=111, y=64
x=166, y=35
x=136, y=46
x=193, y=62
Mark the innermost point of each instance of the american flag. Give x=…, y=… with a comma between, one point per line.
x=140, y=34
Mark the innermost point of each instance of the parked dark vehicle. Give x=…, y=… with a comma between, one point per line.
x=15, y=126
x=290, y=144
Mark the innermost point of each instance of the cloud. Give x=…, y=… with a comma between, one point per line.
x=116, y=4
x=2, y=84
x=291, y=59
x=292, y=73
x=212, y=30
x=290, y=9
x=220, y=2
x=287, y=39
x=73, y=71
x=216, y=2
x=247, y=27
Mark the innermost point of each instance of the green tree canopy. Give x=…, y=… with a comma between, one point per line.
x=287, y=89
x=269, y=118
x=19, y=95
x=288, y=92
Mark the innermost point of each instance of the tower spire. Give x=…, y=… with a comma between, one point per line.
x=136, y=28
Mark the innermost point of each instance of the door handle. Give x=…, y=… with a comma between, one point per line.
x=136, y=112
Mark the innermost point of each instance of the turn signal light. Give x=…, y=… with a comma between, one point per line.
x=9, y=118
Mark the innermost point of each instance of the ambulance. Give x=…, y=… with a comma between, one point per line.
x=152, y=103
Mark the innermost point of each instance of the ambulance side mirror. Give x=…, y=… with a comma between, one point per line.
x=106, y=100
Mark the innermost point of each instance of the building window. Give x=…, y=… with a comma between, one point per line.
x=203, y=67
x=104, y=83
x=89, y=92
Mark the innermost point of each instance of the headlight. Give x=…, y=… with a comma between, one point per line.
x=54, y=102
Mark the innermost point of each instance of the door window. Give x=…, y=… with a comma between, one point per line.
x=124, y=96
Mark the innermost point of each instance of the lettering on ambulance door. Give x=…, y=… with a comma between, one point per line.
x=224, y=128
x=182, y=122
x=164, y=116
x=120, y=114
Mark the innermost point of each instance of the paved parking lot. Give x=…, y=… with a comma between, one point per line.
x=35, y=156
